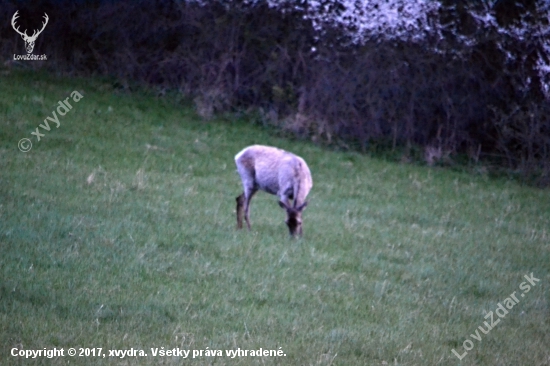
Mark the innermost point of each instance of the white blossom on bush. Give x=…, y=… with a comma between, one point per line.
x=358, y=22
x=376, y=19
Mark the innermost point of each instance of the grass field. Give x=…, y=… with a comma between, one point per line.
x=117, y=231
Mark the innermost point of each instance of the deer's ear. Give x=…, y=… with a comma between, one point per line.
x=302, y=206
x=283, y=205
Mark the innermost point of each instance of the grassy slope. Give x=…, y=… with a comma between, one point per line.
x=117, y=231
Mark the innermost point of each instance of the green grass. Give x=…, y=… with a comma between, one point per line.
x=117, y=230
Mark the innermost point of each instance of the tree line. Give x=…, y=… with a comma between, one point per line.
x=436, y=80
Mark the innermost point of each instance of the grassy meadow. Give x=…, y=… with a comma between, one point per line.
x=117, y=231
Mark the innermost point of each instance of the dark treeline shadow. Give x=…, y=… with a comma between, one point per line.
x=433, y=99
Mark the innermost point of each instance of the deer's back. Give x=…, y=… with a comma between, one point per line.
x=273, y=168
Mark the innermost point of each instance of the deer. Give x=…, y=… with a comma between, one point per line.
x=276, y=172
x=29, y=40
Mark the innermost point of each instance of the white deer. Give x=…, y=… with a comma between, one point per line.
x=277, y=172
x=29, y=40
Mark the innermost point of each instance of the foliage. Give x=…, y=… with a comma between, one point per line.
x=469, y=77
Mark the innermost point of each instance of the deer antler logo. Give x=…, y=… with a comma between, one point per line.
x=29, y=40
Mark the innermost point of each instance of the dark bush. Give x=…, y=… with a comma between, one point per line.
x=471, y=84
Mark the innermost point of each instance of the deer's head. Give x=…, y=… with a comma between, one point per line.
x=29, y=40
x=293, y=218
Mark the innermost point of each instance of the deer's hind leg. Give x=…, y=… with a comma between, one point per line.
x=240, y=205
x=247, y=199
x=243, y=207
